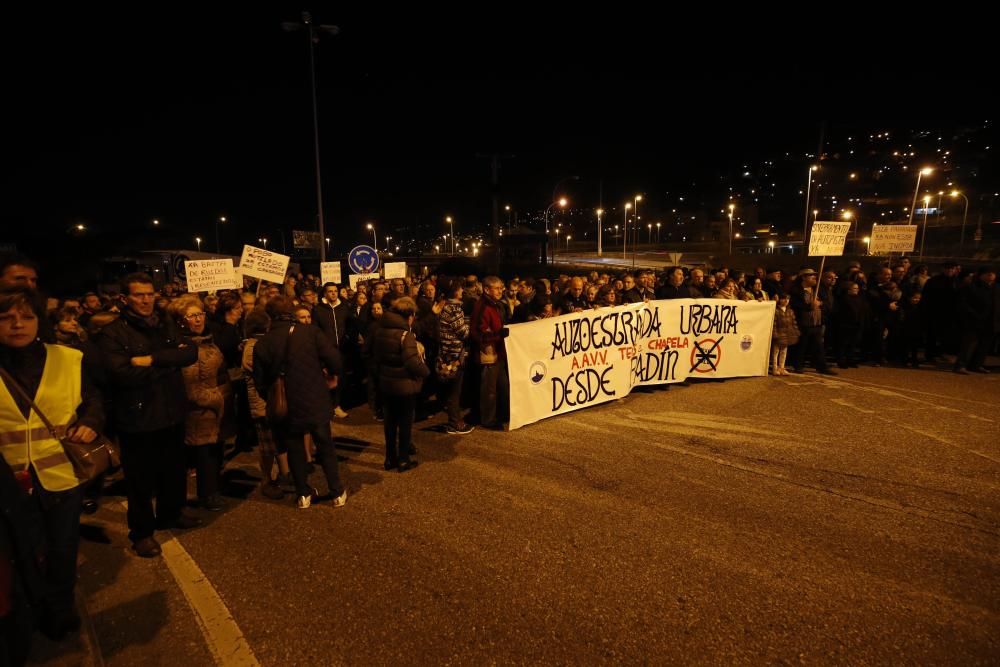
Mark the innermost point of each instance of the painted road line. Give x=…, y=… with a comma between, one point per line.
x=223, y=636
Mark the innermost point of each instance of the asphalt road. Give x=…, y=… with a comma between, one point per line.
x=853, y=519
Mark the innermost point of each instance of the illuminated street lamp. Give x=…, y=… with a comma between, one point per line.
x=568, y=237
x=222, y=219
x=374, y=236
x=923, y=172
x=805, y=223
x=849, y=215
x=868, y=241
x=923, y=235
x=965, y=216
x=731, y=207
x=451, y=222
x=197, y=240
x=600, y=211
x=658, y=232
x=328, y=245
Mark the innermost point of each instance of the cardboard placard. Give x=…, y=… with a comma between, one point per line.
x=827, y=238
x=264, y=264
x=208, y=275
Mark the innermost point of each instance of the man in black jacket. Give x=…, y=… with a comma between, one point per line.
x=309, y=363
x=676, y=288
x=976, y=317
x=144, y=356
x=330, y=315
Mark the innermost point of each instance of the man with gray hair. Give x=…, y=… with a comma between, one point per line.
x=488, y=349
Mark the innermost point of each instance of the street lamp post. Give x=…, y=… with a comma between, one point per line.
x=451, y=222
x=965, y=216
x=649, y=237
x=635, y=227
x=197, y=240
x=599, y=249
x=805, y=222
x=561, y=202
x=313, y=32
x=625, y=233
x=923, y=236
x=374, y=236
x=217, y=247
x=868, y=242
x=657, y=233
x=264, y=241
x=616, y=232
x=328, y=245
x=731, y=207
x=916, y=190
x=568, y=238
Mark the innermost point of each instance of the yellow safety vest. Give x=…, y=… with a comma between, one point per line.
x=27, y=442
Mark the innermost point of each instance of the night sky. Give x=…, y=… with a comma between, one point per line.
x=119, y=118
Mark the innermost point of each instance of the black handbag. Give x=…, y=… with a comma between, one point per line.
x=89, y=459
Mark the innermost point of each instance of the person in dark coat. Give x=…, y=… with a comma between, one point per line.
x=850, y=318
x=402, y=369
x=144, y=356
x=330, y=315
x=809, y=315
x=676, y=288
x=310, y=365
x=976, y=319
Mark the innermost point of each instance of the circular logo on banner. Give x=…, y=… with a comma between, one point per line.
x=537, y=372
x=179, y=265
x=746, y=343
x=706, y=355
x=363, y=259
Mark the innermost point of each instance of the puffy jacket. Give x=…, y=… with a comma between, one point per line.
x=401, y=370
x=210, y=398
x=786, y=329
x=146, y=398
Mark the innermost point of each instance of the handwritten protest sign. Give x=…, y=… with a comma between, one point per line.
x=892, y=238
x=329, y=272
x=565, y=363
x=207, y=275
x=355, y=278
x=395, y=270
x=263, y=264
x=827, y=238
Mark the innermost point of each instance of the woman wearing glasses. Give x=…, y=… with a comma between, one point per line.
x=209, y=417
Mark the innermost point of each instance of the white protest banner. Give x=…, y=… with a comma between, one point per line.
x=329, y=272
x=892, y=238
x=827, y=238
x=208, y=275
x=355, y=278
x=263, y=264
x=565, y=363
x=395, y=270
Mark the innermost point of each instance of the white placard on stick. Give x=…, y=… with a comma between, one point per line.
x=892, y=238
x=264, y=264
x=395, y=270
x=207, y=275
x=329, y=272
x=827, y=238
x=355, y=278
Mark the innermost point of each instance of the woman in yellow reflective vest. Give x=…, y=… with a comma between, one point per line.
x=55, y=379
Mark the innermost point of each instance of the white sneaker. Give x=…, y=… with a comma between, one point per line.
x=305, y=502
x=340, y=500
x=339, y=413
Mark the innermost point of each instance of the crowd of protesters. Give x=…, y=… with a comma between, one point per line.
x=175, y=377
